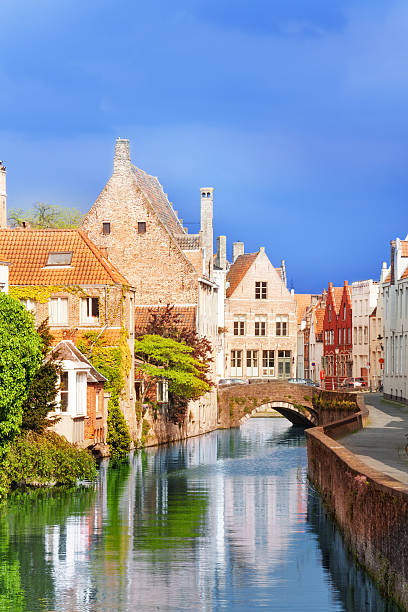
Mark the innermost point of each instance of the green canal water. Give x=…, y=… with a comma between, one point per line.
x=226, y=521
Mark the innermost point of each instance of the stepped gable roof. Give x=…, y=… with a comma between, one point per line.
x=153, y=191
x=186, y=315
x=337, y=296
x=28, y=251
x=303, y=301
x=66, y=349
x=238, y=270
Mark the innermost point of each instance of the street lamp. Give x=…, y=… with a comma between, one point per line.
x=337, y=351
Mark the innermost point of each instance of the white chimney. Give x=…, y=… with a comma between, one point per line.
x=237, y=249
x=3, y=196
x=221, y=259
x=207, y=238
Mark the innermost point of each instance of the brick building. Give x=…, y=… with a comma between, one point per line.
x=337, y=336
x=60, y=275
x=137, y=228
x=260, y=318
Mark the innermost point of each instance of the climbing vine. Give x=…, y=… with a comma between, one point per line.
x=42, y=293
x=114, y=363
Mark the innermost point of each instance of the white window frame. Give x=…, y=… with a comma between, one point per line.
x=29, y=304
x=162, y=393
x=239, y=325
x=86, y=317
x=260, y=328
x=236, y=362
x=252, y=359
x=61, y=320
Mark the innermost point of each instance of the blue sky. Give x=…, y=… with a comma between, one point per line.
x=293, y=110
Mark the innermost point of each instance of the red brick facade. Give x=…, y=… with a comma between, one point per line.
x=337, y=336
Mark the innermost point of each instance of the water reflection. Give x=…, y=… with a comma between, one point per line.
x=221, y=522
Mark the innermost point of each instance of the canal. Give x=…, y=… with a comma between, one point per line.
x=226, y=521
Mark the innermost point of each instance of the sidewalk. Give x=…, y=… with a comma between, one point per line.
x=381, y=444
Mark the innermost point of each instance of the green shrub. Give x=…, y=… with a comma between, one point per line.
x=118, y=433
x=41, y=459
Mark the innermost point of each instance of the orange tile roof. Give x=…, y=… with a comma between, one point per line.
x=337, y=296
x=303, y=301
x=319, y=319
x=110, y=337
x=404, y=248
x=405, y=273
x=186, y=315
x=238, y=270
x=28, y=250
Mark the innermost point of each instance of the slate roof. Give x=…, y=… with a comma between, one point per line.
x=27, y=250
x=153, y=191
x=186, y=314
x=67, y=350
x=238, y=270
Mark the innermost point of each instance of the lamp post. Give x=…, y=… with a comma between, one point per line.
x=337, y=350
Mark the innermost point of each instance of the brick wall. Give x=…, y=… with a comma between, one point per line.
x=370, y=508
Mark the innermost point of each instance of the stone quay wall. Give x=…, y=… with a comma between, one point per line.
x=370, y=508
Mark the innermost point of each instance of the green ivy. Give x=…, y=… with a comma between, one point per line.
x=118, y=433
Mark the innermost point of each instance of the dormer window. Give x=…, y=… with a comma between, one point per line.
x=106, y=229
x=59, y=259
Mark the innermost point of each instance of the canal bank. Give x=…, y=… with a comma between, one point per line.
x=222, y=522
x=370, y=506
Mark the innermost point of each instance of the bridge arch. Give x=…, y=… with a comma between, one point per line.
x=237, y=403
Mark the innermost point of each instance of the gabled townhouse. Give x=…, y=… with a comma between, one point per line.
x=316, y=339
x=136, y=227
x=337, y=336
x=364, y=300
x=395, y=313
x=60, y=275
x=260, y=318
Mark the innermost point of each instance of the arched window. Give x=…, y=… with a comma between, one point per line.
x=208, y=195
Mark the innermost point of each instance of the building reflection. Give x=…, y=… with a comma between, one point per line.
x=181, y=527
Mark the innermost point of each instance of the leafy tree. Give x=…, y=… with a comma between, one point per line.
x=20, y=358
x=44, y=216
x=43, y=388
x=165, y=358
x=166, y=322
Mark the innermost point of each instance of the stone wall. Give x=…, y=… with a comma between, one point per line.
x=370, y=508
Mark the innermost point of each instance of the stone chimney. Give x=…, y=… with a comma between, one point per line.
x=383, y=274
x=207, y=238
x=283, y=267
x=221, y=258
x=121, y=161
x=3, y=196
x=237, y=249
x=392, y=281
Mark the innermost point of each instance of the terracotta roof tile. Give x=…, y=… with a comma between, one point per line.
x=404, y=248
x=337, y=295
x=303, y=301
x=110, y=337
x=319, y=319
x=238, y=270
x=186, y=314
x=27, y=250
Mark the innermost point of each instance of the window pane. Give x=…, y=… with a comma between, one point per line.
x=63, y=311
x=105, y=228
x=59, y=259
x=95, y=307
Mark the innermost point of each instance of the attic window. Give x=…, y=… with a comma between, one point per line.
x=141, y=227
x=59, y=259
x=105, y=229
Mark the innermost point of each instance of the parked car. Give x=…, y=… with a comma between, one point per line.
x=304, y=381
x=356, y=383
x=224, y=382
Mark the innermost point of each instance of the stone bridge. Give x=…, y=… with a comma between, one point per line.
x=300, y=404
